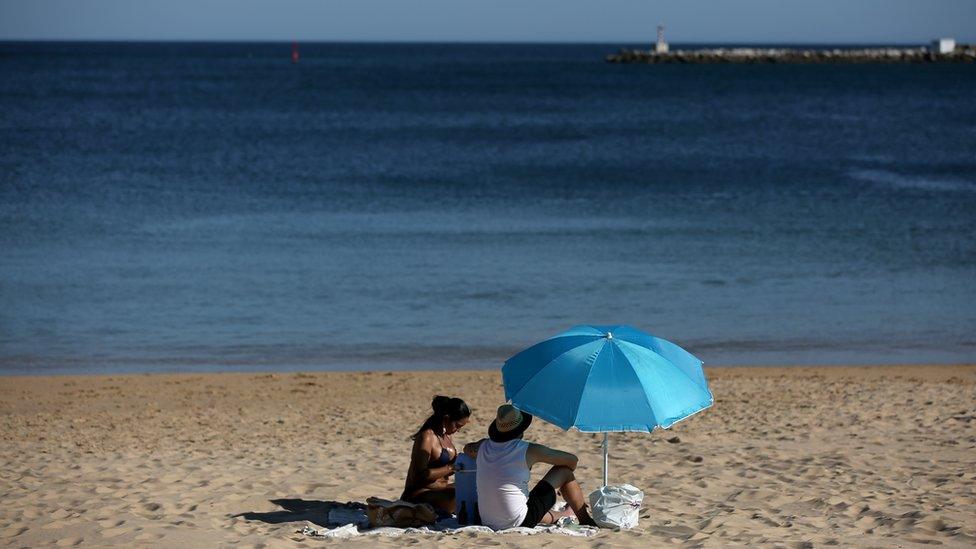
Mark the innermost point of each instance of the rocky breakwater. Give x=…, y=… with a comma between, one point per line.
x=962, y=54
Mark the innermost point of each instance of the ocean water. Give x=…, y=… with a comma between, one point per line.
x=215, y=207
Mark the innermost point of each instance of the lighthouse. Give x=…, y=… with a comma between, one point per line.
x=661, y=46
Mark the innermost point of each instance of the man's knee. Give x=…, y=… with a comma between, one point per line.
x=563, y=470
x=560, y=475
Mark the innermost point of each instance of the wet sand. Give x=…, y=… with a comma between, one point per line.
x=879, y=456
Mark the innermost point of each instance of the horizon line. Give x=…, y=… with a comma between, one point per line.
x=459, y=42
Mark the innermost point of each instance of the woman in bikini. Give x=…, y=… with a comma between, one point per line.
x=433, y=455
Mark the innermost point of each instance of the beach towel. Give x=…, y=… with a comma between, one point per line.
x=348, y=522
x=443, y=527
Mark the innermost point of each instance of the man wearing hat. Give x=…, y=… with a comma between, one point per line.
x=503, y=464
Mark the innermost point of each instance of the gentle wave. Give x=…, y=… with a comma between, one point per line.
x=321, y=224
x=921, y=183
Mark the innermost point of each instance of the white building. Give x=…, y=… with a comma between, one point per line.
x=943, y=45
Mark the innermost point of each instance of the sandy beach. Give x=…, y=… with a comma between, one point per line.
x=795, y=457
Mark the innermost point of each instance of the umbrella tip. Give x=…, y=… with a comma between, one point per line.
x=609, y=335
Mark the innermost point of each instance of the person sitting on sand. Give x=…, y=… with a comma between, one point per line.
x=433, y=455
x=503, y=464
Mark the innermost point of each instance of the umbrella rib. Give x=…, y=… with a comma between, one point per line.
x=693, y=380
x=650, y=407
x=707, y=390
x=655, y=351
x=587, y=380
x=676, y=367
x=562, y=335
x=549, y=364
x=557, y=357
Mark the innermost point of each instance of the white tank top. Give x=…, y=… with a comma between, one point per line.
x=503, y=483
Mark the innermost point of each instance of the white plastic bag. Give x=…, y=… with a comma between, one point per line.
x=616, y=506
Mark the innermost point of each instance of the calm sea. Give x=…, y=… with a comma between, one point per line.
x=214, y=206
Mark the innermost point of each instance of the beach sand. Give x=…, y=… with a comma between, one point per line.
x=878, y=456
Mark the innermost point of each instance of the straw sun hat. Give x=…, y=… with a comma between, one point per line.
x=509, y=424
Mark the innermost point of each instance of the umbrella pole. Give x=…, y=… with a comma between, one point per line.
x=606, y=456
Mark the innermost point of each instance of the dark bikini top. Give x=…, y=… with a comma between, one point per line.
x=444, y=459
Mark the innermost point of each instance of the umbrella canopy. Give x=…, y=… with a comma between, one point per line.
x=602, y=379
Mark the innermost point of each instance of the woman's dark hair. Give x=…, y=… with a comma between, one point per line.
x=453, y=408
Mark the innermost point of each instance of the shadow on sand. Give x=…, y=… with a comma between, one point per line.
x=314, y=511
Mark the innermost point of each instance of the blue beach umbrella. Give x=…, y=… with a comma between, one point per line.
x=602, y=379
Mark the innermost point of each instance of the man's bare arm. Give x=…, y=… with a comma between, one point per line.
x=537, y=453
x=471, y=448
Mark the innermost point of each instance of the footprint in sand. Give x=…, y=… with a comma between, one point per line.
x=59, y=514
x=152, y=511
x=932, y=525
x=113, y=532
x=867, y=524
x=56, y=525
x=13, y=531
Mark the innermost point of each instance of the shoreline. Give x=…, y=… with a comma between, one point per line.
x=361, y=369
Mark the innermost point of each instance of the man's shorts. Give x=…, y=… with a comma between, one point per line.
x=541, y=500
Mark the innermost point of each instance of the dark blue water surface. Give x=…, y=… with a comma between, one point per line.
x=213, y=206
